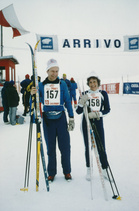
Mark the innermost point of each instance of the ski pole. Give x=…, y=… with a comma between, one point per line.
x=27, y=169
x=89, y=143
x=115, y=196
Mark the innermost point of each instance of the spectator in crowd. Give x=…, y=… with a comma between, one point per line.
x=73, y=92
x=31, y=83
x=26, y=94
x=13, y=101
x=5, y=102
x=29, y=89
x=67, y=82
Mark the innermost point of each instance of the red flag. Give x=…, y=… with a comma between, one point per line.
x=8, y=18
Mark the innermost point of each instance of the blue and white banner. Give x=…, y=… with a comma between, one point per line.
x=131, y=43
x=53, y=43
x=130, y=88
x=48, y=43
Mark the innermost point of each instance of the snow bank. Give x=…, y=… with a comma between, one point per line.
x=121, y=130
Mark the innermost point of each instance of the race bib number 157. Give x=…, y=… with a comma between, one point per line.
x=52, y=94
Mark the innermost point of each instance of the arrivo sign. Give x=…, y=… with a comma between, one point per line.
x=88, y=43
x=51, y=43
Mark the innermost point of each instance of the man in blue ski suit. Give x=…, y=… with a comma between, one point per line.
x=55, y=98
x=98, y=106
x=67, y=82
x=73, y=92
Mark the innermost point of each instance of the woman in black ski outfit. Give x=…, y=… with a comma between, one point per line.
x=98, y=106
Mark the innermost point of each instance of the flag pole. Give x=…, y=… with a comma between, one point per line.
x=1, y=41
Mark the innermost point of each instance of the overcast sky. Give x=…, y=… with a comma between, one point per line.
x=76, y=19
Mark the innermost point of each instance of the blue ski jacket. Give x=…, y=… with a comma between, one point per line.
x=64, y=97
x=73, y=88
x=68, y=83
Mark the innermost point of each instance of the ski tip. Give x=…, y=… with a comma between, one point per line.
x=117, y=197
x=24, y=189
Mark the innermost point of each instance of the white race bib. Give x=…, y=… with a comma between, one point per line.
x=52, y=94
x=94, y=101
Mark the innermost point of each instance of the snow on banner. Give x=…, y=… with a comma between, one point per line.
x=8, y=18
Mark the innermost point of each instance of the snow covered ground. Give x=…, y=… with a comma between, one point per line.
x=122, y=143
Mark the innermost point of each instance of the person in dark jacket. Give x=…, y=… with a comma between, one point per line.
x=73, y=92
x=13, y=101
x=26, y=94
x=97, y=102
x=5, y=102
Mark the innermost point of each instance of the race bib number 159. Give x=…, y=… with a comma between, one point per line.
x=52, y=94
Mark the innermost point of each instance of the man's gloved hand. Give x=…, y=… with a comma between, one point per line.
x=33, y=90
x=83, y=99
x=94, y=115
x=71, y=124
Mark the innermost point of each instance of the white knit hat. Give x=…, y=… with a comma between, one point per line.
x=93, y=74
x=51, y=63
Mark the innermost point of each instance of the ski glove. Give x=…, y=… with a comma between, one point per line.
x=94, y=115
x=71, y=124
x=83, y=100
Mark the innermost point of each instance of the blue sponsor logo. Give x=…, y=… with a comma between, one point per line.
x=131, y=88
x=127, y=88
x=46, y=43
x=133, y=43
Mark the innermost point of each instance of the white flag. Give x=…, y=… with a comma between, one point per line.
x=48, y=43
x=8, y=18
x=131, y=43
